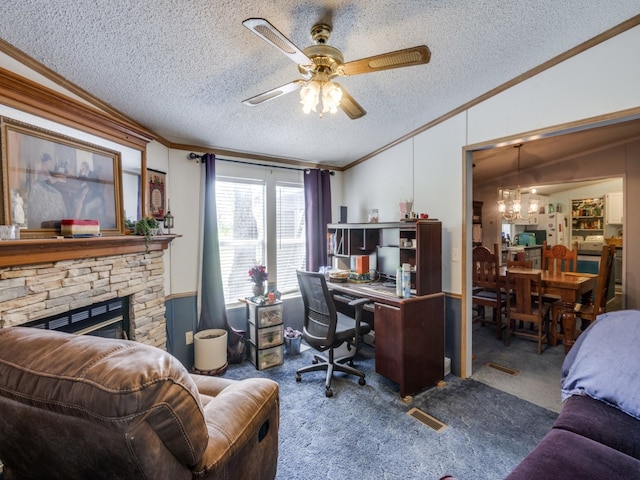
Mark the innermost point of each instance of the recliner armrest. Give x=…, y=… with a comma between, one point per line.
x=239, y=416
x=211, y=386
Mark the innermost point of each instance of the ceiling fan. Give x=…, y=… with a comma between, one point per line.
x=320, y=63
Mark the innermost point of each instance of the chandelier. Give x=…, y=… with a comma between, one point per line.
x=320, y=93
x=510, y=201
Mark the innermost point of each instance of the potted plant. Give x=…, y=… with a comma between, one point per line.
x=292, y=340
x=258, y=276
x=145, y=227
x=129, y=226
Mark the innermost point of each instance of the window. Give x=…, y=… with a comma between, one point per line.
x=260, y=221
x=241, y=233
x=290, y=235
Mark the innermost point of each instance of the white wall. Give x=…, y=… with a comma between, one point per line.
x=602, y=80
x=158, y=159
x=184, y=179
x=599, y=81
x=129, y=156
x=337, y=199
x=381, y=182
x=438, y=166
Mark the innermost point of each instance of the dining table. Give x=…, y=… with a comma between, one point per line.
x=572, y=288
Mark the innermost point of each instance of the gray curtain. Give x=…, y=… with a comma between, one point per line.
x=213, y=313
x=317, y=196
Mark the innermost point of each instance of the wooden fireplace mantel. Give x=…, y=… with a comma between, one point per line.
x=33, y=251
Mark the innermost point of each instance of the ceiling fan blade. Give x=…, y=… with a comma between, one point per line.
x=349, y=105
x=401, y=58
x=272, y=36
x=274, y=93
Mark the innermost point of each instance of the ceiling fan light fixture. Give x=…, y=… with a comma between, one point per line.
x=321, y=62
x=331, y=96
x=315, y=92
x=310, y=96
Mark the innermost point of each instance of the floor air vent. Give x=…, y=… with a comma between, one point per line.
x=502, y=368
x=427, y=419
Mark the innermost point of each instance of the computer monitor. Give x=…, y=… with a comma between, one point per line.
x=388, y=260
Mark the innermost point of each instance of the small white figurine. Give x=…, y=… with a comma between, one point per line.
x=18, y=209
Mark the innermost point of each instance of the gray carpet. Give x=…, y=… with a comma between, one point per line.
x=364, y=432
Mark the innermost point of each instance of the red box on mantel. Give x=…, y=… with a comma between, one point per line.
x=79, y=228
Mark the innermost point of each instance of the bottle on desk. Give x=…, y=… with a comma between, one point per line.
x=406, y=280
x=399, y=281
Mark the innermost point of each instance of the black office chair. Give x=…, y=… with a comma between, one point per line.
x=326, y=329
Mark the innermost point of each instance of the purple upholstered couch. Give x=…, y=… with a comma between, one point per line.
x=597, y=434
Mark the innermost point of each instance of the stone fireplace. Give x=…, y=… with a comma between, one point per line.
x=46, y=277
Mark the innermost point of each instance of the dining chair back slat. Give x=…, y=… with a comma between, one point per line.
x=558, y=258
x=519, y=264
x=486, y=273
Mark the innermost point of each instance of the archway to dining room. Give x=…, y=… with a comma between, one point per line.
x=559, y=149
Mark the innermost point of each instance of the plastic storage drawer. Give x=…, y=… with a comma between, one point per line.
x=267, y=316
x=268, y=357
x=267, y=337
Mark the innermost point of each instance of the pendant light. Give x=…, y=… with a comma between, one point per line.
x=510, y=201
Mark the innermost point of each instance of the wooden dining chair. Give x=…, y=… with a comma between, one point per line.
x=486, y=286
x=527, y=305
x=589, y=313
x=519, y=264
x=558, y=258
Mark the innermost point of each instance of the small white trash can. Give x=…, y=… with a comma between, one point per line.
x=210, y=349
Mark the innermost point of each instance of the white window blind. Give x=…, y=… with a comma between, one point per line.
x=290, y=235
x=241, y=233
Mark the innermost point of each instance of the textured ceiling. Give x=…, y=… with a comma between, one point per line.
x=181, y=68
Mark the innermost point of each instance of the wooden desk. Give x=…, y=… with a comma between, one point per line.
x=571, y=288
x=409, y=335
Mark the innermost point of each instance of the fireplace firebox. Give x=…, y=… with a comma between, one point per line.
x=104, y=319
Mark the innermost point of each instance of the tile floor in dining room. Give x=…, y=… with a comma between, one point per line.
x=537, y=377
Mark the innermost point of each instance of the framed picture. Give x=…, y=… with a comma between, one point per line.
x=156, y=193
x=47, y=177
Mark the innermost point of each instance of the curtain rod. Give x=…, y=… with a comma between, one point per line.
x=193, y=156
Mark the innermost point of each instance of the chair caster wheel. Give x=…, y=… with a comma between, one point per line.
x=329, y=392
x=362, y=381
x=298, y=377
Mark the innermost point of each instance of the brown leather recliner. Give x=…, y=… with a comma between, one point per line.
x=74, y=407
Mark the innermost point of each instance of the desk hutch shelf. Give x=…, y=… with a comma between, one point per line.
x=345, y=239
x=425, y=258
